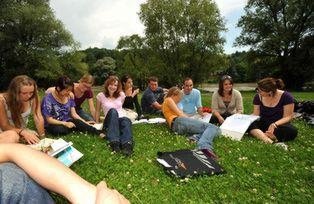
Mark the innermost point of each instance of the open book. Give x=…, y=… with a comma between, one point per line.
x=151, y=120
x=60, y=149
x=236, y=125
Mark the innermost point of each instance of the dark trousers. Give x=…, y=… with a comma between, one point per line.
x=79, y=126
x=117, y=129
x=283, y=133
x=214, y=119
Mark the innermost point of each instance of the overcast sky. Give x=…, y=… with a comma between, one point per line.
x=100, y=23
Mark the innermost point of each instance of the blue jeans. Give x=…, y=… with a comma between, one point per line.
x=17, y=187
x=206, y=132
x=84, y=115
x=118, y=129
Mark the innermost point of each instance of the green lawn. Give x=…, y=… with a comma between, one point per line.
x=255, y=172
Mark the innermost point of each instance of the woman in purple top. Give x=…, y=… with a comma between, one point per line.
x=58, y=109
x=116, y=124
x=275, y=108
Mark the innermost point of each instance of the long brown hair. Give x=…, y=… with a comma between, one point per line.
x=12, y=97
x=110, y=80
x=87, y=78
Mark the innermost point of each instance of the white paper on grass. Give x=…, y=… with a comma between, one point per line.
x=236, y=125
x=98, y=126
x=152, y=120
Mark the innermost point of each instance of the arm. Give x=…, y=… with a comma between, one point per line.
x=54, y=176
x=156, y=105
x=97, y=113
x=215, y=107
x=76, y=116
x=29, y=136
x=49, y=90
x=38, y=119
x=173, y=106
x=239, y=104
x=137, y=106
x=256, y=110
x=92, y=107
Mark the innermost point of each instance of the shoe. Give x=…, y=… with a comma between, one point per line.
x=210, y=153
x=115, y=146
x=102, y=135
x=127, y=149
x=282, y=145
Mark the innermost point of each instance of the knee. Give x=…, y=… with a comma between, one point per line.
x=113, y=112
x=9, y=136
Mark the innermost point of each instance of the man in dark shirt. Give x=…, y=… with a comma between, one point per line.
x=153, y=97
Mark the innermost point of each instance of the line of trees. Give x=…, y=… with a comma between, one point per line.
x=182, y=38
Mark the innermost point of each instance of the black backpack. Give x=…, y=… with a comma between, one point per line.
x=188, y=163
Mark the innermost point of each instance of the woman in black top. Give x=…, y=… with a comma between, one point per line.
x=131, y=92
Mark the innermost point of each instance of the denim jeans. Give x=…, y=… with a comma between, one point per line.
x=84, y=115
x=117, y=129
x=79, y=126
x=206, y=132
x=17, y=187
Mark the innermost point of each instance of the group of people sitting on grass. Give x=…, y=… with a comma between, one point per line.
x=60, y=112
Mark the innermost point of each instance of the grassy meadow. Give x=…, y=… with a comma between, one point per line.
x=255, y=172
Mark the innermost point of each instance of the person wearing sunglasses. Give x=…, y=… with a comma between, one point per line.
x=275, y=108
x=226, y=101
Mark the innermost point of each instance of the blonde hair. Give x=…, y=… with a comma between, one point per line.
x=174, y=91
x=87, y=78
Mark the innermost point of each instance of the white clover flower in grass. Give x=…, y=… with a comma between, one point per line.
x=257, y=175
x=242, y=158
x=257, y=163
x=131, y=161
x=129, y=186
x=127, y=173
x=254, y=190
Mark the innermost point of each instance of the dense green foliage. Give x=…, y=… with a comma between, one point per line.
x=182, y=38
x=255, y=172
x=281, y=37
x=34, y=42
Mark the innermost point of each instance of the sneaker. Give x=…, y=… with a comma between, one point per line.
x=127, y=149
x=210, y=153
x=102, y=135
x=282, y=145
x=115, y=146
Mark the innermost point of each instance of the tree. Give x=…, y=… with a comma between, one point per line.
x=103, y=68
x=135, y=60
x=276, y=29
x=184, y=35
x=31, y=40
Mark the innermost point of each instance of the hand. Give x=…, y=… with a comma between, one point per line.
x=69, y=124
x=221, y=120
x=136, y=91
x=31, y=137
x=91, y=122
x=106, y=195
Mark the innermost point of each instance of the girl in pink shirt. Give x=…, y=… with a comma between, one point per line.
x=116, y=124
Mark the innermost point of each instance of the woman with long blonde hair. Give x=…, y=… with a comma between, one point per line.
x=16, y=105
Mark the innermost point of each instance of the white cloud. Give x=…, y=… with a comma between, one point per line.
x=100, y=23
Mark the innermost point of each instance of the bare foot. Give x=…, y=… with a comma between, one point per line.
x=106, y=195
